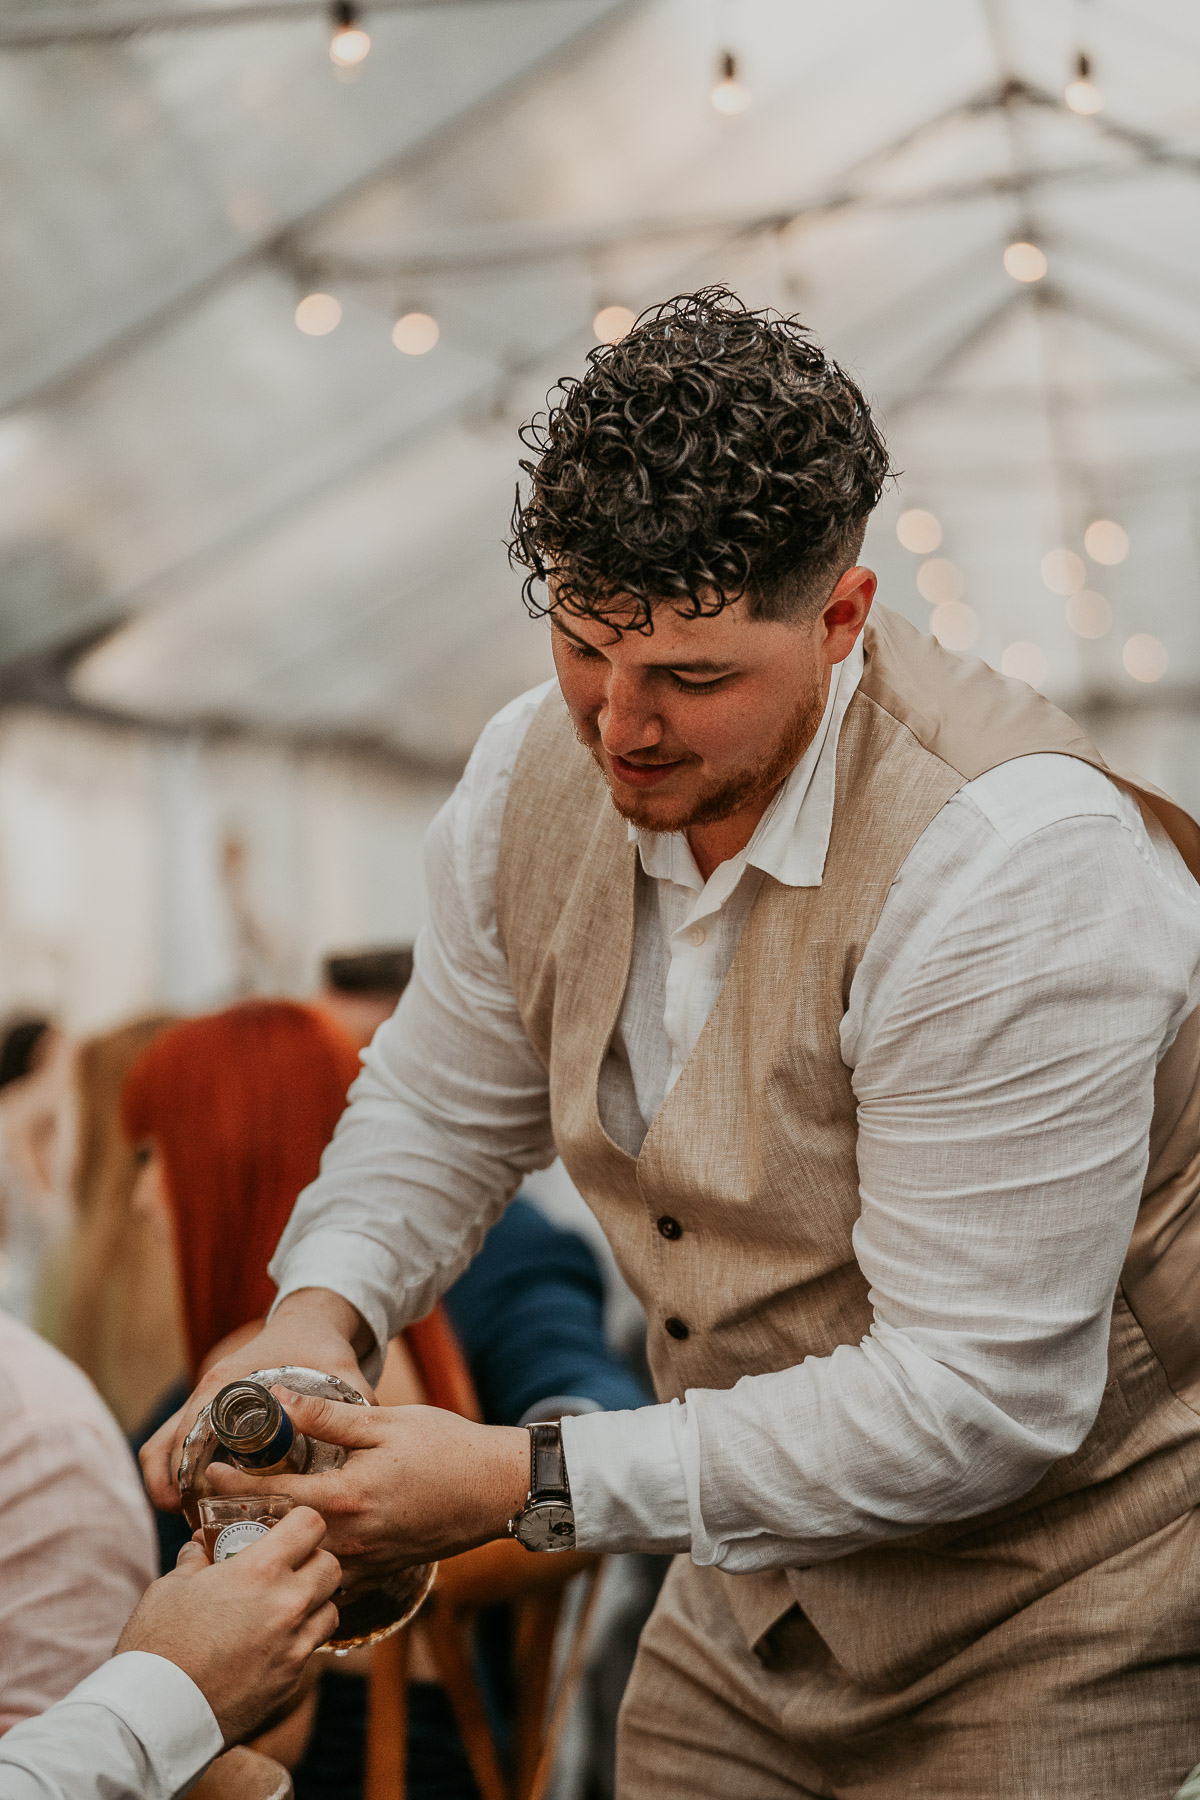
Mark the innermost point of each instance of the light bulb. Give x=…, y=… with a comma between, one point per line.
x=1088, y=614
x=1082, y=95
x=318, y=314
x=729, y=95
x=955, y=626
x=612, y=323
x=1145, y=658
x=349, y=44
x=918, y=531
x=1025, y=262
x=1106, y=542
x=1063, y=571
x=1026, y=661
x=940, y=581
x=415, y=333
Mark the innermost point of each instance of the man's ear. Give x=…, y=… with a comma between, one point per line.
x=845, y=612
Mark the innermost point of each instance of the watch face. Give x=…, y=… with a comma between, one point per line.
x=546, y=1525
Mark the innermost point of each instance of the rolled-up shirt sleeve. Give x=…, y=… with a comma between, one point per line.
x=137, y=1729
x=452, y=1107
x=1009, y=1018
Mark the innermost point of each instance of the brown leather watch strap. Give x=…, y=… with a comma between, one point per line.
x=547, y=1464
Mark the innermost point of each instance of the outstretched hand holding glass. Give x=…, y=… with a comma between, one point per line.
x=244, y=1629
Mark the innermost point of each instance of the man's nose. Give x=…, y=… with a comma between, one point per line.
x=628, y=720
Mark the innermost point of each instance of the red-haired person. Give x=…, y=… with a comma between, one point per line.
x=231, y=1112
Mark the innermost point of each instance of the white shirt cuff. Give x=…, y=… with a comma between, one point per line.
x=627, y=1481
x=163, y=1708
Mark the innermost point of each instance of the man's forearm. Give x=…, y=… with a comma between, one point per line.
x=138, y=1729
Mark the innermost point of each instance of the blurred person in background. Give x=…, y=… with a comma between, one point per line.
x=77, y=1545
x=228, y=1115
x=120, y=1315
x=208, y=1654
x=34, y=1064
x=360, y=989
x=862, y=1002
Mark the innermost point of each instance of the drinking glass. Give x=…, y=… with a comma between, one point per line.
x=229, y=1523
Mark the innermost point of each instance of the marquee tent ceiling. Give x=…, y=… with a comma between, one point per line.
x=206, y=515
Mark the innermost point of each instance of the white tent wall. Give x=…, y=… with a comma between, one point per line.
x=141, y=871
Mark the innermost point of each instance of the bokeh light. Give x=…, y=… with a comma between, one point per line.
x=729, y=94
x=1145, y=657
x=1084, y=97
x=940, y=581
x=349, y=46
x=415, y=333
x=318, y=314
x=1025, y=262
x=1063, y=572
x=955, y=626
x=612, y=323
x=918, y=531
x=1106, y=542
x=1027, y=661
x=1088, y=614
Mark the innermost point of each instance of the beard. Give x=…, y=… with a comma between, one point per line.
x=719, y=799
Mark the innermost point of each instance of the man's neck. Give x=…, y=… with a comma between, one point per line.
x=711, y=845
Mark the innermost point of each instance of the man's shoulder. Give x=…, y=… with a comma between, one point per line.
x=1027, y=794
x=37, y=1380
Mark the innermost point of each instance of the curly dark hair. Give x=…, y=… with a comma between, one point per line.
x=713, y=452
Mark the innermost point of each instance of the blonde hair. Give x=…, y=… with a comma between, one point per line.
x=121, y=1318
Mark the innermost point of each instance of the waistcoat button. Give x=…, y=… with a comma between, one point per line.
x=675, y=1328
x=669, y=1227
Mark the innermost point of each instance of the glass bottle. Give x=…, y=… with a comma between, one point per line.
x=246, y=1426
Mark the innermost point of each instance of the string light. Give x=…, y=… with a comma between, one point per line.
x=918, y=531
x=1145, y=657
x=940, y=581
x=1106, y=542
x=1082, y=95
x=1088, y=614
x=349, y=44
x=415, y=333
x=1025, y=661
x=729, y=94
x=1025, y=262
x=612, y=323
x=318, y=314
x=1063, y=572
x=955, y=626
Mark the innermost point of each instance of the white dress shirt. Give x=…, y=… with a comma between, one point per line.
x=77, y=1543
x=1034, y=959
x=138, y=1729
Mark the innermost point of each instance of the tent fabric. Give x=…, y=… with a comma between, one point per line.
x=206, y=515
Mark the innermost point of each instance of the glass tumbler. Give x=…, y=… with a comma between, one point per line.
x=229, y=1523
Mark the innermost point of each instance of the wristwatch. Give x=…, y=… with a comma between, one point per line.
x=547, y=1519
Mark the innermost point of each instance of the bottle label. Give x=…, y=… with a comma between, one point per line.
x=235, y=1537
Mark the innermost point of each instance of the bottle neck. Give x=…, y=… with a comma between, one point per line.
x=256, y=1432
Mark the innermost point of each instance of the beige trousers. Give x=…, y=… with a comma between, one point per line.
x=1091, y=1693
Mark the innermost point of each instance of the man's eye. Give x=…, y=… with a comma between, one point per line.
x=698, y=687
x=578, y=649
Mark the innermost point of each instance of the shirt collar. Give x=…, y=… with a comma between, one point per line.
x=791, y=840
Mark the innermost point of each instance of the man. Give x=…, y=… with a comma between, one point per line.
x=77, y=1550
x=860, y=1004
x=207, y=1655
x=360, y=988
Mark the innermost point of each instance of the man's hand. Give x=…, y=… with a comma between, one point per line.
x=245, y=1628
x=314, y=1328
x=418, y=1482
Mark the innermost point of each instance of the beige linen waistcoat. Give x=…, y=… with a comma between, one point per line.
x=754, y=1149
